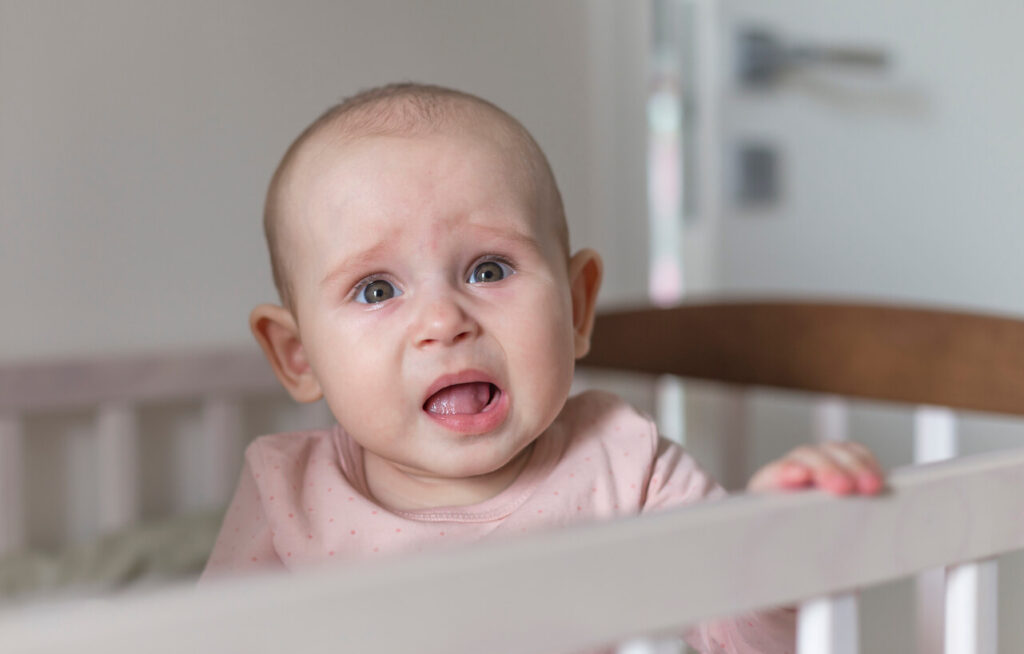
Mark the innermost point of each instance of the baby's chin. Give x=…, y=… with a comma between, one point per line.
x=468, y=465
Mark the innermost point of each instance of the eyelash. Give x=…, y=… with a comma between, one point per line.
x=493, y=258
x=361, y=286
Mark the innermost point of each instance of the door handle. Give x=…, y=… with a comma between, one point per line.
x=763, y=58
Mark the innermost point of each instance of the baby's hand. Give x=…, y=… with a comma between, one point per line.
x=841, y=468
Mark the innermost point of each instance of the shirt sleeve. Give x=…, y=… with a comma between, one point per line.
x=676, y=480
x=245, y=542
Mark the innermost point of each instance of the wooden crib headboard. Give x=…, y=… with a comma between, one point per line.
x=891, y=353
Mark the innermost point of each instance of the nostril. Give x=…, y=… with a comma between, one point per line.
x=443, y=323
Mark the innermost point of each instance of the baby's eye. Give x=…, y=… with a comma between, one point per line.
x=490, y=271
x=377, y=291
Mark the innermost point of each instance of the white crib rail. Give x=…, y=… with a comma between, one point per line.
x=12, y=455
x=575, y=588
x=130, y=379
x=114, y=388
x=116, y=452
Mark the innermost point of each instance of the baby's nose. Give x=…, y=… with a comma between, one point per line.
x=442, y=321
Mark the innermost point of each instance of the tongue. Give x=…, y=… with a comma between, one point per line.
x=460, y=398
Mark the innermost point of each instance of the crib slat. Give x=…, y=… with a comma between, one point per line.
x=971, y=608
x=734, y=439
x=934, y=434
x=934, y=440
x=828, y=625
x=117, y=466
x=563, y=590
x=831, y=419
x=12, y=463
x=670, y=403
x=219, y=452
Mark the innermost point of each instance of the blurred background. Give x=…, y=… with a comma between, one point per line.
x=850, y=150
x=136, y=140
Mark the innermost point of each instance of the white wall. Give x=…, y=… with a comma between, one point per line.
x=136, y=140
x=902, y=185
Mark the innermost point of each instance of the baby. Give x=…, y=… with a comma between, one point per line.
x=420, y=249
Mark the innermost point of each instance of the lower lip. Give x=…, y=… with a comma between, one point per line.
x=475, y=423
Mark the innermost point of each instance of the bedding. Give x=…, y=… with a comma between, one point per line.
x=147, y=553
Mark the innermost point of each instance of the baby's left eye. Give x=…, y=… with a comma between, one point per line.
x=490, y=271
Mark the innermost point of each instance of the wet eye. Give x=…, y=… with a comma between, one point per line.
x=377, y=291
x=490, y=271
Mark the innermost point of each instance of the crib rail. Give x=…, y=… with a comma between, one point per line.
x=72, y=384
x=114, y=388
x=891, y=353
x=577, y=588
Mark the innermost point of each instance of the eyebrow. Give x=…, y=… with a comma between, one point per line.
x=355, y=261
x=365, y=258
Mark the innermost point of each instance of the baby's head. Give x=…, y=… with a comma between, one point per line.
x=420, y=248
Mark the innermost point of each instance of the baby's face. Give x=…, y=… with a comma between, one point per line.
x=433, y=299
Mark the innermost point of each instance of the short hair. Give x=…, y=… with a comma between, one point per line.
x=397, y=109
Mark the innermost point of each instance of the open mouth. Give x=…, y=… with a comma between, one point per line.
x=467, y=402
x=463, y=399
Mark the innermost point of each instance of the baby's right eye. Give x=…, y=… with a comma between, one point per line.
x=376, y=291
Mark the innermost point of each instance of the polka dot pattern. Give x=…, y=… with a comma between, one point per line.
x=306, y=502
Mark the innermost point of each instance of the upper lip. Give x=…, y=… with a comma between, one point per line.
x=462, y=377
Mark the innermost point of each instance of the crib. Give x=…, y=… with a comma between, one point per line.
x=597, y=584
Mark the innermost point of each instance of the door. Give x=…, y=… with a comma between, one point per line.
x=880, y=159
x=900, y=181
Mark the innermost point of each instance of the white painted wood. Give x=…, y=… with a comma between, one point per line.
x=929, y=610
x=670, y=403
x=828, y=625
x=217, y=453
x=734, y=439
x=934, y=434
x=81, y=483
x=563, y=590
x=934, y=440
x=652, y=646
x=971, y=608
x=43, y=386
x=12, y=495
x=831, y=419
x=117, y=466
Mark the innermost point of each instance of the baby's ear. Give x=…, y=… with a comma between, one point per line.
x=277, y=333
x=585, y=270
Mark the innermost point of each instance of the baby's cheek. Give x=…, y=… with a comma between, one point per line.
x=553, y=364
x=358, y=400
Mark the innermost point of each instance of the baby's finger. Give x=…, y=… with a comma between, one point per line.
x=829, y=472
x=863, y=455
x=780, y=475
x=861, y=463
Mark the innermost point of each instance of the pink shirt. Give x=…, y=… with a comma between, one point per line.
x=302, y=500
